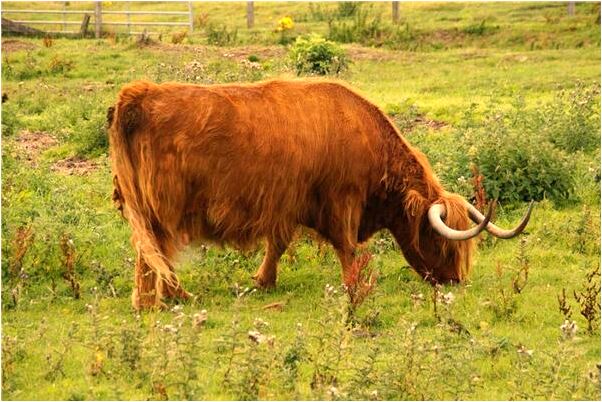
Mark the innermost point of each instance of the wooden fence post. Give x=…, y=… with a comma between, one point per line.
x=250, y=14
x=64, y=15
x=571, y=8
x=190, y=17
x=98, y=19
x=83, y=30
x=395, y=11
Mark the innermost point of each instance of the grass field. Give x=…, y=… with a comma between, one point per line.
x=531, y=81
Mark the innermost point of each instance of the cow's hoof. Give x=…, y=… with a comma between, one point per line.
x=179, y=294
x=264, y=283
x=145, y=301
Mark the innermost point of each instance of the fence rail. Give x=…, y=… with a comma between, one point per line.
x=97, y=13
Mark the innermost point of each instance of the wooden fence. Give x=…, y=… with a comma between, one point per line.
x=96, y=15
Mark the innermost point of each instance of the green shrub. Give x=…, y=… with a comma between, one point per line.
x=60, y=65
x=315, y=55
x=364, y=30
x=348, y=8
x=572, y=120
x=221, y=35
x=480, y=29
x=516, y=150
x=517, y=166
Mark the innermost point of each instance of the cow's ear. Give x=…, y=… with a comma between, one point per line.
x=110, y=115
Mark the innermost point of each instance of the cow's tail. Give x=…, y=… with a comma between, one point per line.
x=126, y=121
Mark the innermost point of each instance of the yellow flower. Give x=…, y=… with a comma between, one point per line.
x=285, y=24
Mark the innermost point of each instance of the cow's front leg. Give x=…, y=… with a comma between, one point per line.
x=265, y=277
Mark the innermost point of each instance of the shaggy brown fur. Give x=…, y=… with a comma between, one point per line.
x=238, y=163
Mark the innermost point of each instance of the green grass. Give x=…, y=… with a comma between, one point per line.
x=96, y=347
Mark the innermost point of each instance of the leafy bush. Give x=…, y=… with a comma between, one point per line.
x=368, y=31
x=518, y=167
x=480, y=29
x=572, y=120
x=517, y=150
x=60, y=65
x=315, y=55
x=221, y=35
x=348, y=8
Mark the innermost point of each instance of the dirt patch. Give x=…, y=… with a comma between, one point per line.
x=516, y=58
x=262, y=52
x=407, y=124
x=96, y=86
x=13, y=45
x=242, y=52
x=426, y=122
x=367, y=53
x=74, y=166
x=31, y=144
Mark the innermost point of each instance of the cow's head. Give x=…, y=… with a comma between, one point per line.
x=437, y=240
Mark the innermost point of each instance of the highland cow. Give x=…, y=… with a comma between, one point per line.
x=235, y=164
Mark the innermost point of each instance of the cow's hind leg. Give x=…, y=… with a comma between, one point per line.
x=265, y=277
x=149, y=291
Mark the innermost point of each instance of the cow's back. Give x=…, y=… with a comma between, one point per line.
x=238, y=162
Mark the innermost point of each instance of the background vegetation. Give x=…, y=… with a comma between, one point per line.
x=502, y=97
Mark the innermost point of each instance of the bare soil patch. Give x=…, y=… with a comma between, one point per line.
x=32, y=143
x=241, y=52
x=426, y=122
x=368, y=53
x=13, y=45
x=262, y=52
x=74, y=166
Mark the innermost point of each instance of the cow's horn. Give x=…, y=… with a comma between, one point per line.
x=478, y=217
x=437, y=212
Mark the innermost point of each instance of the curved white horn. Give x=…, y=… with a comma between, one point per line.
x=478, y=217
x=437, y=212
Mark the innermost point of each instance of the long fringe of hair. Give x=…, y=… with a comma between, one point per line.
x=124, y=120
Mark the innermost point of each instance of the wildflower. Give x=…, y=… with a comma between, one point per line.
x=253, y=65
x=329, y=290
x=170, y=328
x=568, y=329
x=258, y=323
x=374, y=395
x=448, y=298
x=198, y=319
x=522, y=350
x=333, y=392
x=257, y=336
x=285, y=24
x=417, y=298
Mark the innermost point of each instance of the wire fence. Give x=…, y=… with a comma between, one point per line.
x=60, y=17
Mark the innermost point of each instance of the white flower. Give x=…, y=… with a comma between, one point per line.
x=333, y=392
x=170, y=328
x=569, y=329
x=258, y=323
x=199, y=319
x=448, y=298
x=257, y=336
x=522, y=350
x=177, y=309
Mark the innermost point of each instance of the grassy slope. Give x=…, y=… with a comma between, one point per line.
x=442, y=84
